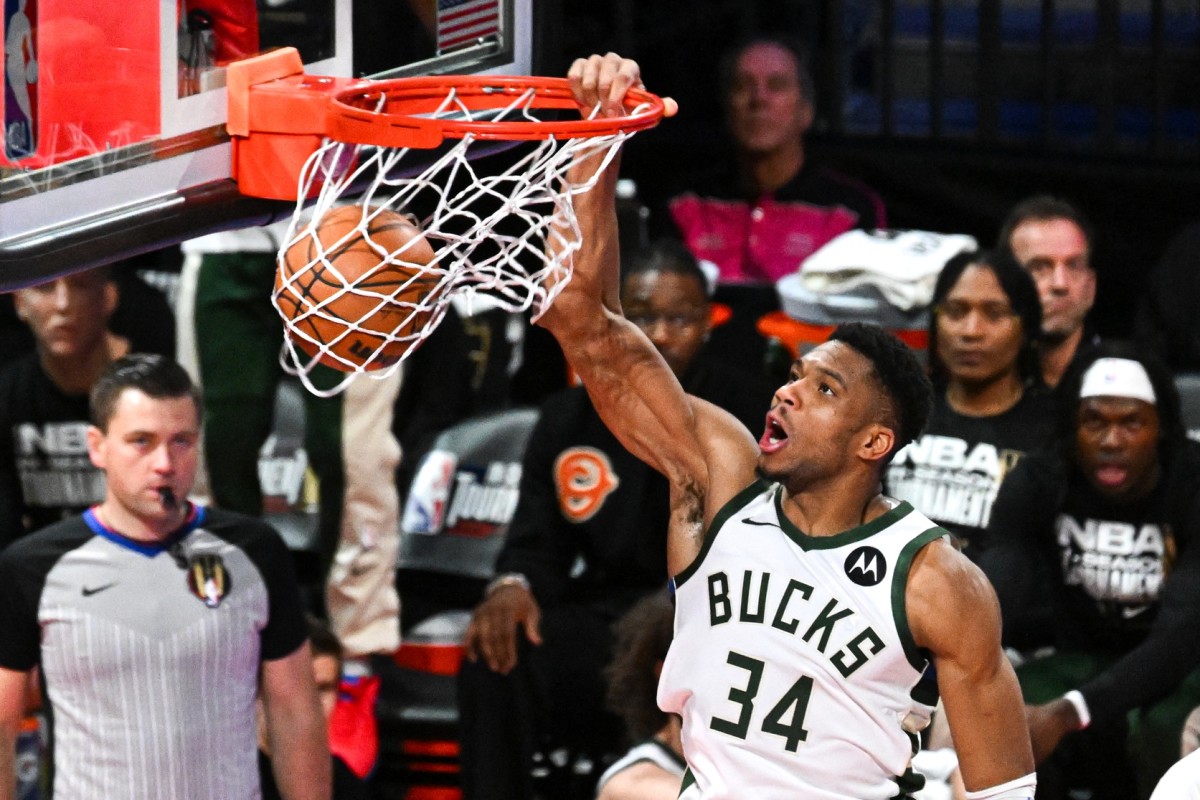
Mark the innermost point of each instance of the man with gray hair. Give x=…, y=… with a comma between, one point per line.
x=1052, y=240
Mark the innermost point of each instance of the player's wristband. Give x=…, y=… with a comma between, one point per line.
x=1075, y=698
x=507, y=579
x=1019, y=789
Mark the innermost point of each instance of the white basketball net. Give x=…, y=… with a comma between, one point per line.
x=489, y=232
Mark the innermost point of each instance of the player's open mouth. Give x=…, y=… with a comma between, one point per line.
x=773, y=438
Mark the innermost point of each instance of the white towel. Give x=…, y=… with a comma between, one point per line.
x=902, y=265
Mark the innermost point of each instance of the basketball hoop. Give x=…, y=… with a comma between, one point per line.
x=328, y=142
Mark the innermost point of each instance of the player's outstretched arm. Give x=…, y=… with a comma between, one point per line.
x=953, y=613
x=706, y=453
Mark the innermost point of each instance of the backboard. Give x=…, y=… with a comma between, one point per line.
x=114, y=110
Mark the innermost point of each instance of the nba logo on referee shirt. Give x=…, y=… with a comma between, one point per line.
x=208, y=579
x=866, y=566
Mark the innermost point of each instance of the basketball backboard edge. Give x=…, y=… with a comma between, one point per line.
x=170, y=180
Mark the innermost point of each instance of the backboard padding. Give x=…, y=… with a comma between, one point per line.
x=159, y=167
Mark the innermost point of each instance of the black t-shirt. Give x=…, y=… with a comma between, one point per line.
x=953, y=472
x=1074, y=569
x=45, y=472
x=591, y=521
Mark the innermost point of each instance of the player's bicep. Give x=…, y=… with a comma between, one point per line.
x=640, y=399
x=955, y=616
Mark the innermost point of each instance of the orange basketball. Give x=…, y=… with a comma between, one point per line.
x=336, y=285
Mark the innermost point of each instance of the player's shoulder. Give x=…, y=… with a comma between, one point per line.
x=943, y=581
x=937, y=564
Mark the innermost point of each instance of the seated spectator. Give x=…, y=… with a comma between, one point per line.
x=45, y=473
x=1094, y=551
x=327, y=675
x=767, y=206
x=1052, y=240
x=988, y=410
x=143, y=314
x=587, y=540
x=653, y=768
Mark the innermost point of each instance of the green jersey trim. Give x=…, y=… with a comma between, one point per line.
x=738, y=502
x=689, y=780
x=844, y=538
x=900, y=593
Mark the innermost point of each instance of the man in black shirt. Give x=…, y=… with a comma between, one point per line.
x=1094, y=552
x=1052, y=241
x=760, y=209
x=45, y=474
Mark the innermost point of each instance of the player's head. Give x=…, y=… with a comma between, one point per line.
x=907, y=394
x=986, y=321
x=664, y=292
x=1120, y=418
x=643, y=638
x=69, y=315
x=327, y=655
x=1052, y=240
x=768, y=94
x=848, y=406
x=145, y=436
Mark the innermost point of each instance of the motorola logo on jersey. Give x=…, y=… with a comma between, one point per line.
x=866, y=566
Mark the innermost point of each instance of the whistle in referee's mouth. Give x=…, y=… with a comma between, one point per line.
x=167, y=497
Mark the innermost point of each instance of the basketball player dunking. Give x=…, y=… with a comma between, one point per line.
x=808, y=605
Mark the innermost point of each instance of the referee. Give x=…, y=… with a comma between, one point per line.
x=151, y=619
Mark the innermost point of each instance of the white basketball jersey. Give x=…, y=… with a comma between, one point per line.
x=793, y=666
